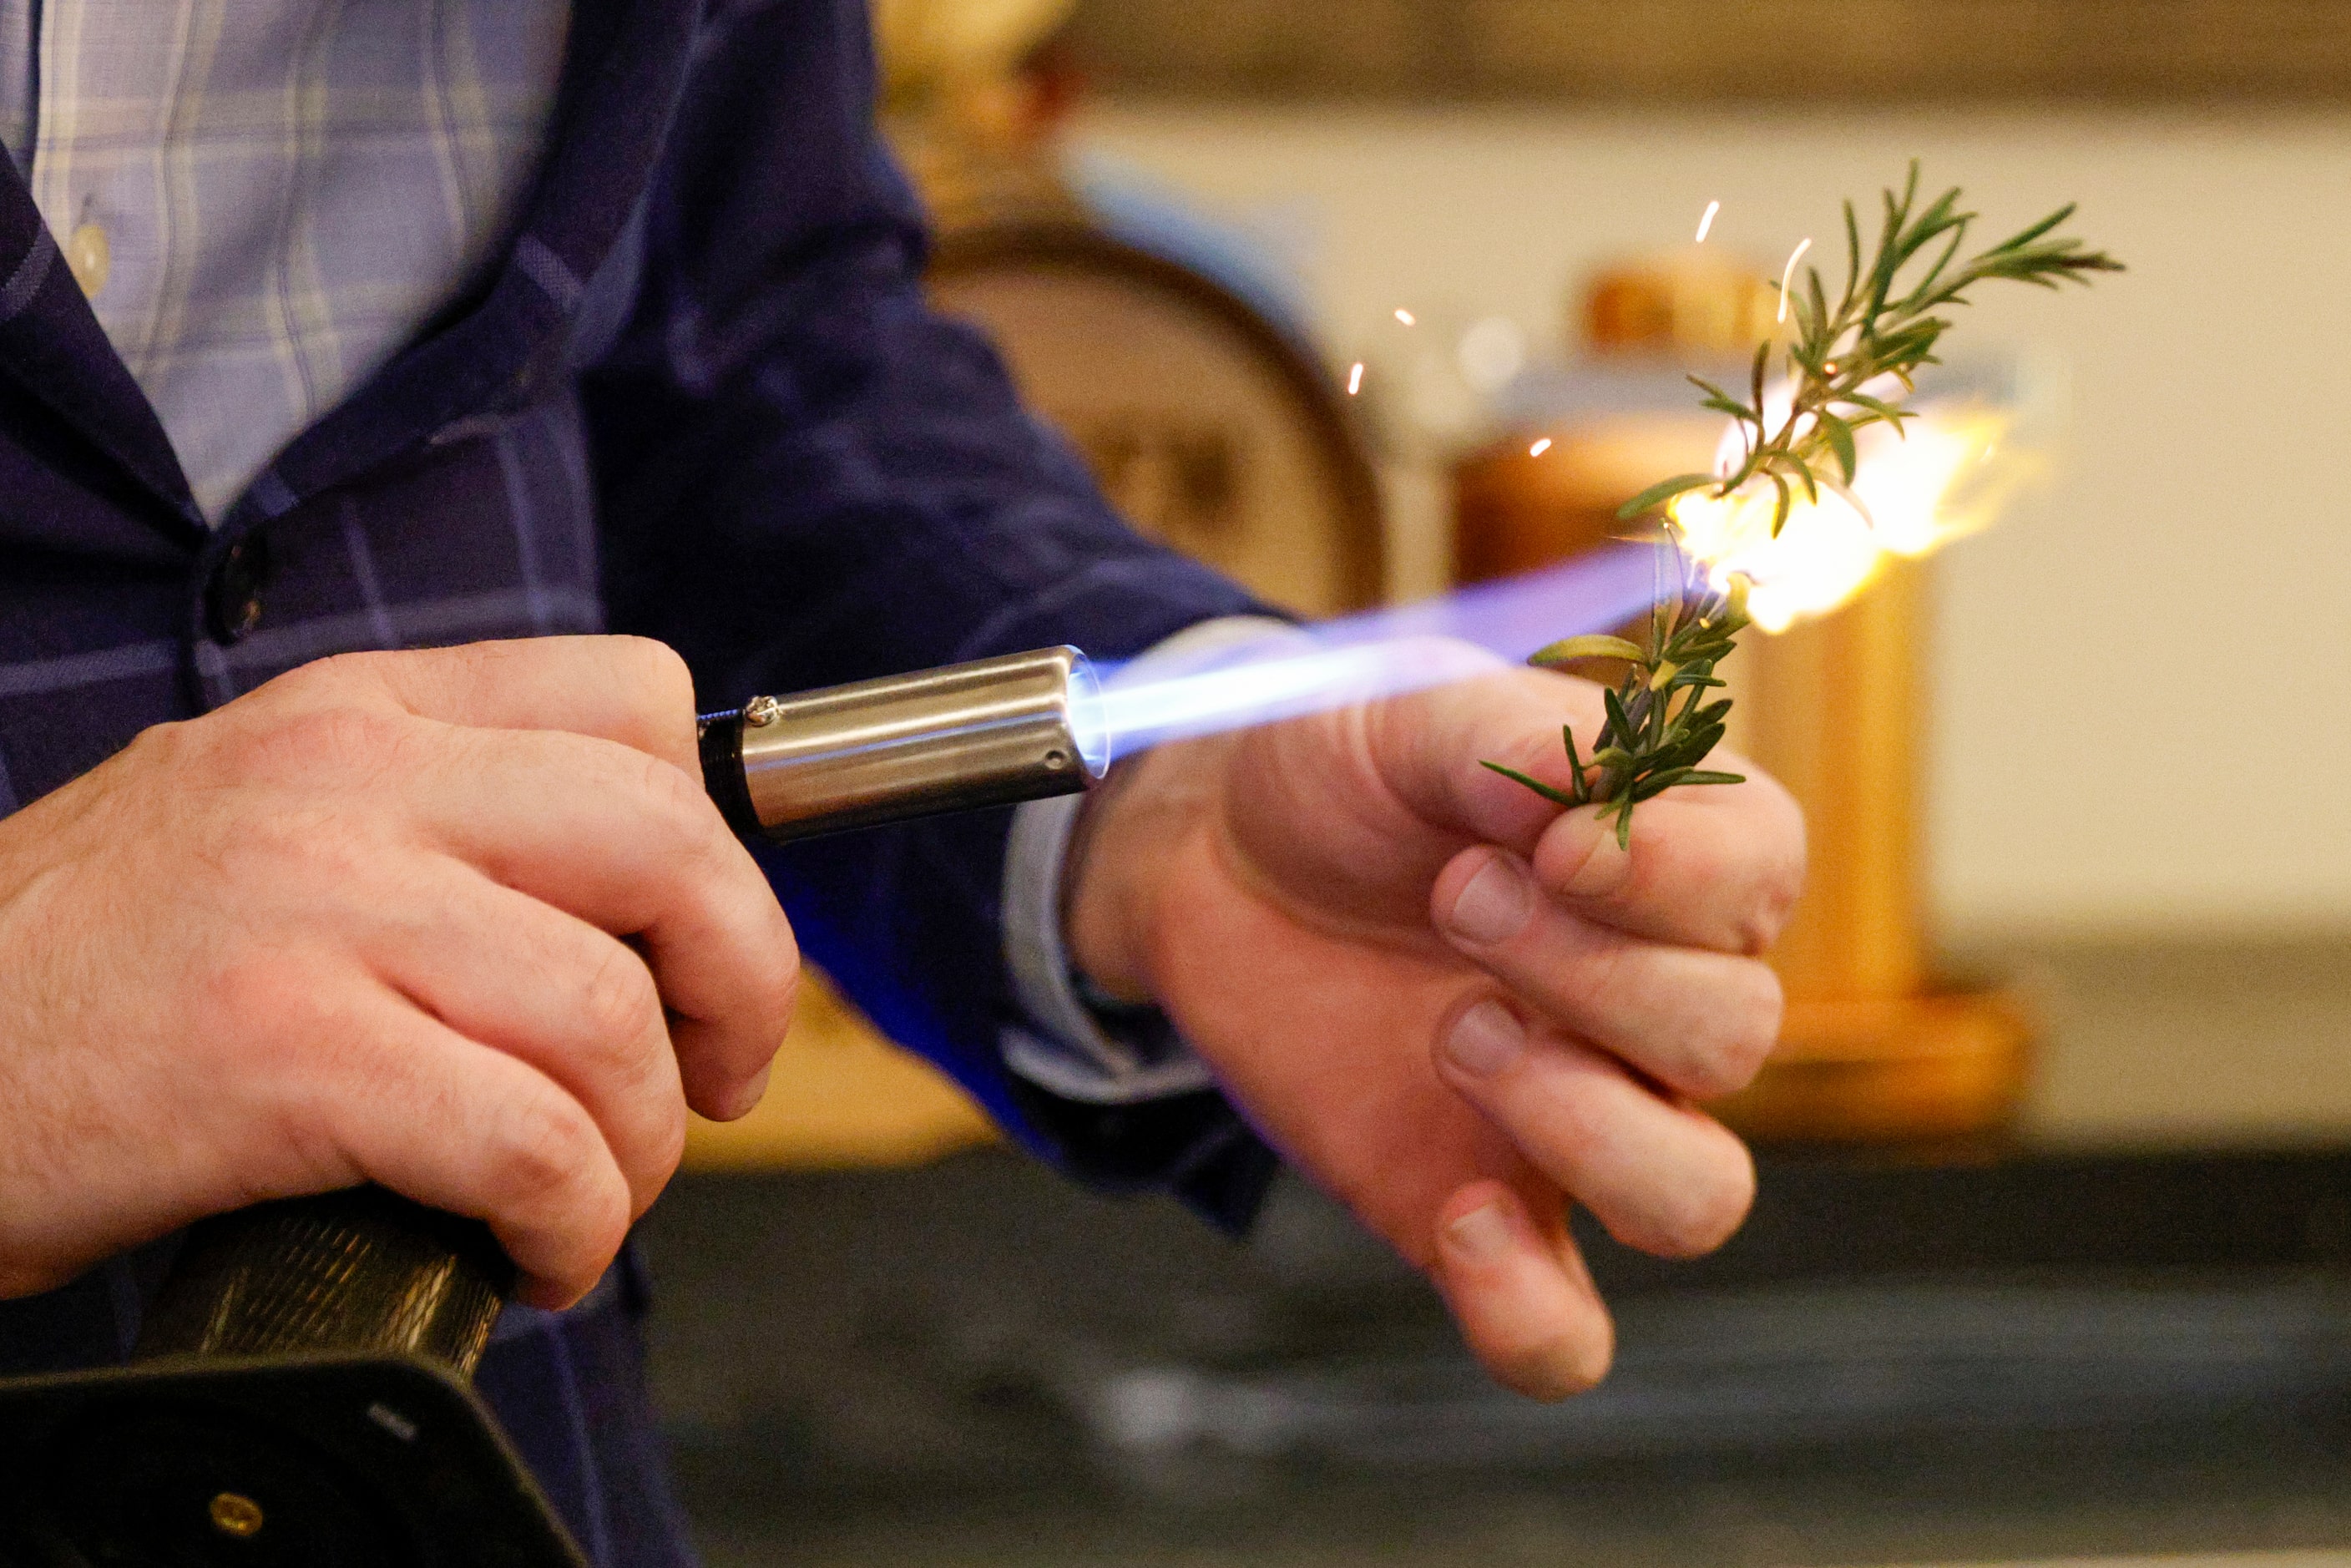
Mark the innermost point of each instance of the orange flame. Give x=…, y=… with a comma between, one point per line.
x=1944, y=477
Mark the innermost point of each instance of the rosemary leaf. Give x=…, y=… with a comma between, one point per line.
x=1569, y=650
x=1556, y=796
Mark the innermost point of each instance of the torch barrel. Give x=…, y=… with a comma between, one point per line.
x=994, y=732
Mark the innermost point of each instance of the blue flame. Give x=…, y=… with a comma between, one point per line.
x=1377, y=653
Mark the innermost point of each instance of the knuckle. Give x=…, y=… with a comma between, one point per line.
x=333, y=674
x=487, y=659
x=263, y=1000
x=335, y=681
x=1745, y=1029
x=1779, y=881
x=1759, y=1037
x=660, y=674
x=165, y=747
x=670, y=811
x=541, y=1152
x=600, y=1221
x=321, y=679
x=297, y=1071
x=312, y=1136
x=683, y=806
x=1594, y=983
x=618, y=1000
x=664, y=1147
x=1537, y=756
x=309, y=744
x=297, y=867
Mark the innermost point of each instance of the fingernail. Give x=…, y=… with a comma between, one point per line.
x=1482, y=1235
x=1485, y=1040
x=1599, y=863
x=1493, y=905
x=755, y=1091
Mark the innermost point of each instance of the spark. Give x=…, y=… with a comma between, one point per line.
x=1707, y=222
x=1355, y=378
x=1540, y=447
x=1406, y=316
x=1789, y=272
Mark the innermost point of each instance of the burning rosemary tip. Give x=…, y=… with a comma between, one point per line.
x=1706, y=221
x=1540, y=447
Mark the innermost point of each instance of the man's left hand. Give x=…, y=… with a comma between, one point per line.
x=1454, y=1006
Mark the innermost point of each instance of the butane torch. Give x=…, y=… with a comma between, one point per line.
x=301, y=1390
x=991, y=733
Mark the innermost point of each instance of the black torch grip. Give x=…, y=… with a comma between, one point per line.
x=364, y=1271
x=721, y=735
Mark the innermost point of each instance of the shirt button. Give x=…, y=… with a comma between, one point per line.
x=90, y=257
x=236, y=596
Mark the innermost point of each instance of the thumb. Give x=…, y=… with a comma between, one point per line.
x=1431, y=749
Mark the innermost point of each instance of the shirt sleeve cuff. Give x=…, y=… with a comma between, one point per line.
x=1076, y=1047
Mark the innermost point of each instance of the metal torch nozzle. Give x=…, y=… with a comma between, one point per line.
x=1016, y=728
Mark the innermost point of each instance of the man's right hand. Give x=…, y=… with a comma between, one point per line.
x=462, y=923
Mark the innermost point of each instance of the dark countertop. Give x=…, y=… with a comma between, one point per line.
x=970, y=1363
x=2073, y=1345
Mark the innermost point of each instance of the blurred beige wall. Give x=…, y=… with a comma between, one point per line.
x=2143, y=721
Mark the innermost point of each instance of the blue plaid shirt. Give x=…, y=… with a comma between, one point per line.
x=694, y=391
x=266, y=201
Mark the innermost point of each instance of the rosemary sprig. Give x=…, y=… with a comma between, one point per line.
x=1660, y=724
x=1871, y=335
